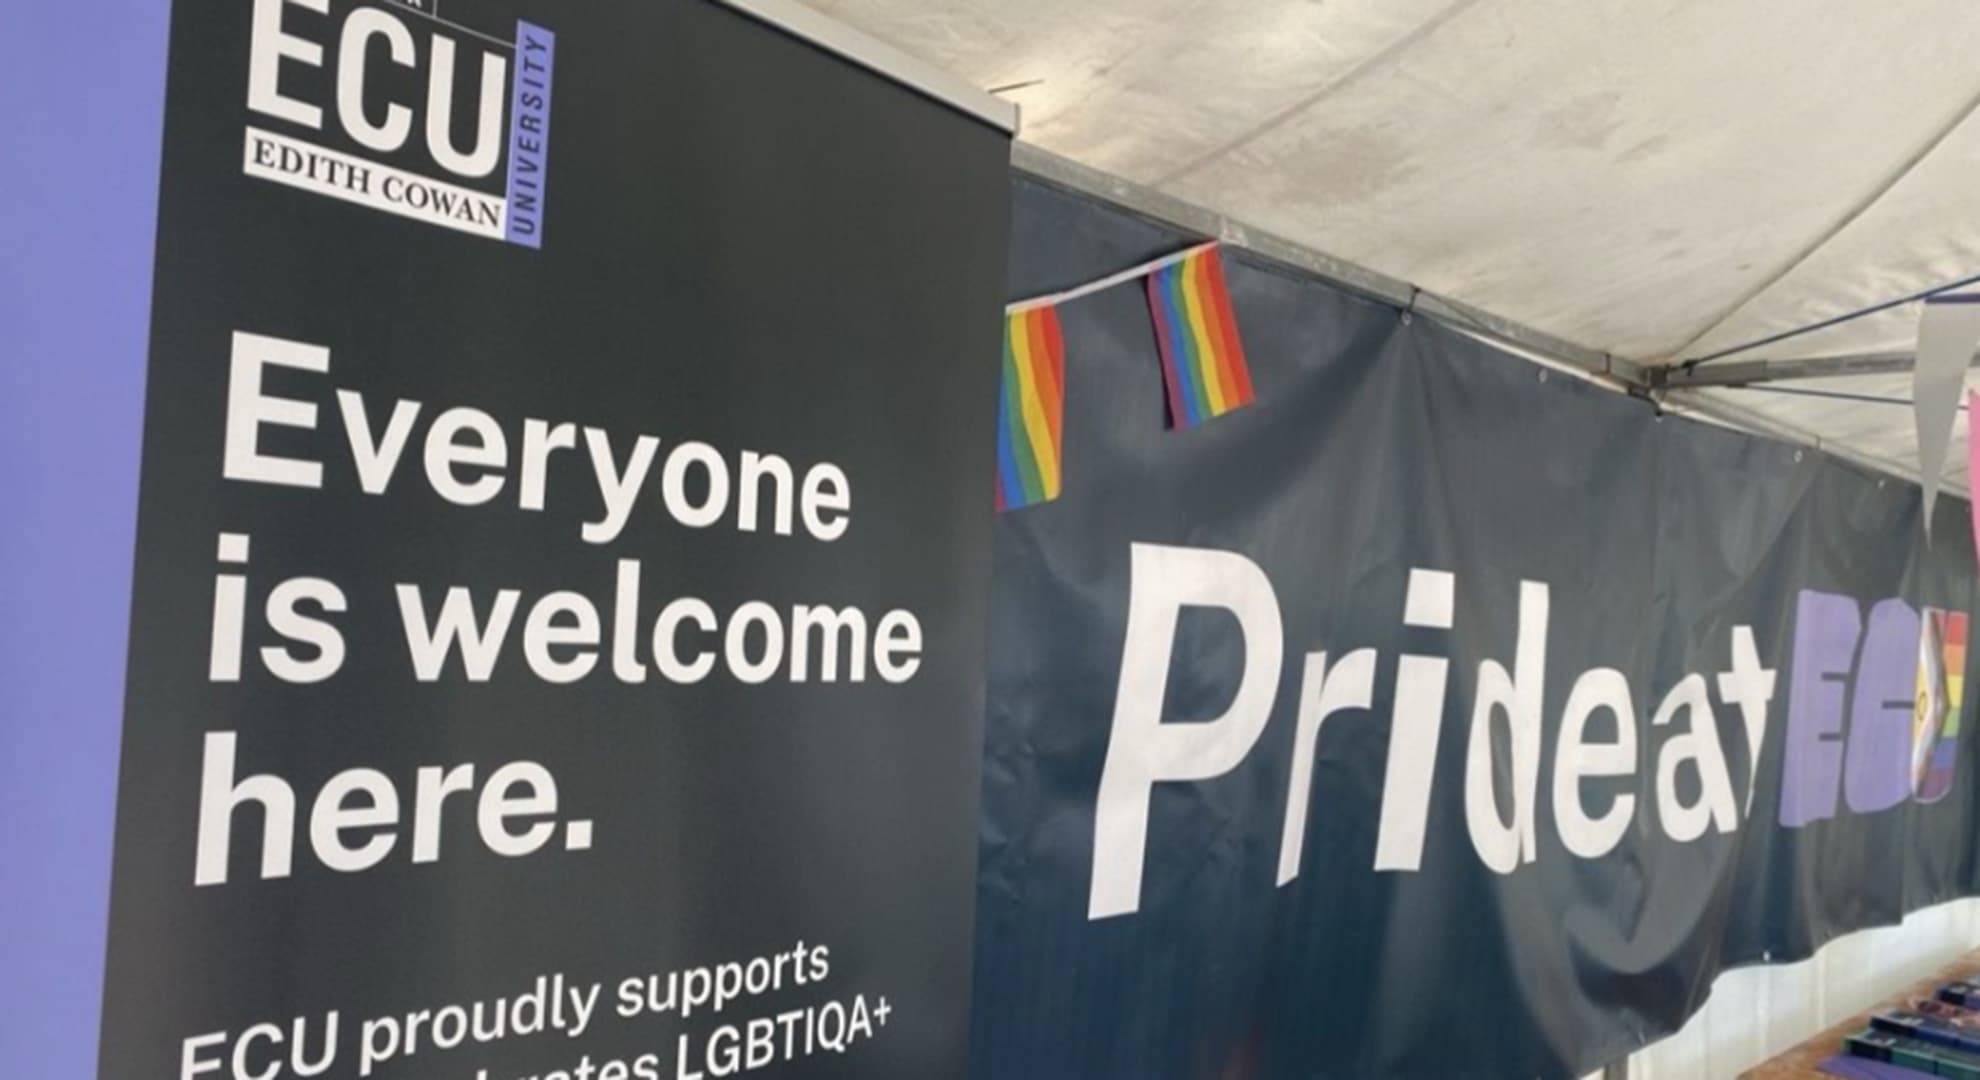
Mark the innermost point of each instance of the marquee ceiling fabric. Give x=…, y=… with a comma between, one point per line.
x=1654, y=180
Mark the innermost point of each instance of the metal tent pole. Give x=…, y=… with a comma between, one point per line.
x=1754, y=372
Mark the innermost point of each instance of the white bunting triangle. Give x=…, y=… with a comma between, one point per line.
x=1948, y=333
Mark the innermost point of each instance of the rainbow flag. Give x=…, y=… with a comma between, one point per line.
x=1202, y=358
x=1941, y=699
x=1031, y=410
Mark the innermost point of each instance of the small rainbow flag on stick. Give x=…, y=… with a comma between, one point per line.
x=1031, y=409
x=1202, y=358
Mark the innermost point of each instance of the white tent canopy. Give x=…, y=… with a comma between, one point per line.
x=1657, y=181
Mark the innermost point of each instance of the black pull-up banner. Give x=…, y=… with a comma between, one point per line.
x=1432, y=717
x=562, y=551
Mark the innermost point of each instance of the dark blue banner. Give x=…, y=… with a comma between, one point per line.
x=1433, y=716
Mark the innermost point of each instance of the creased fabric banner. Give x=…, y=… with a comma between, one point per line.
x=1429, y=719
x=1948, y=332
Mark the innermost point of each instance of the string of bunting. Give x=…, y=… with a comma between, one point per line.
x=1204, y=372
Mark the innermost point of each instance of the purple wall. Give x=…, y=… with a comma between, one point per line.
x=78, y=207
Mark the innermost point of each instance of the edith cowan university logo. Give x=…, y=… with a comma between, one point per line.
x=388, y=105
